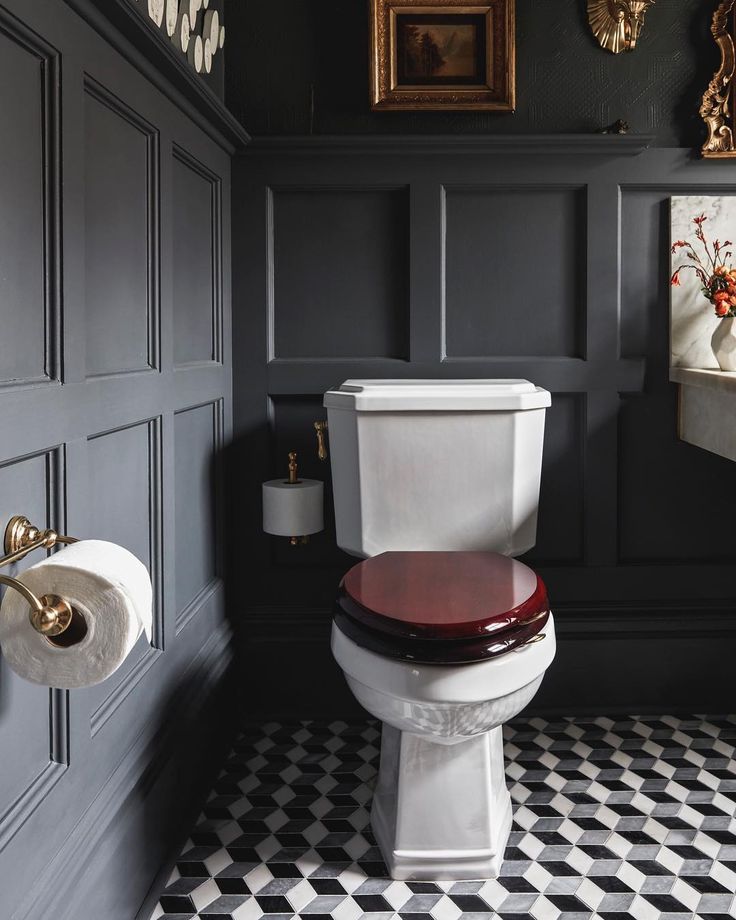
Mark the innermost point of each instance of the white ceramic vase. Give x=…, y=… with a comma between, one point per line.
x=723, y=343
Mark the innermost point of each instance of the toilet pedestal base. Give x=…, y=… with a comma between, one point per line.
x=441, y=811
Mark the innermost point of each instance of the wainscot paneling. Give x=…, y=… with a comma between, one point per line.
x=36, y=714
x=339, y=317
x=29, y=190
x=102, y=439
x=497, y=239
x=536, y=257
x=125, y=501
x=197, y=261
x=197, y=440
x=121, y=195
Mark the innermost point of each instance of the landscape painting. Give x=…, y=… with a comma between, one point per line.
x=440, y=50
x=442, y=54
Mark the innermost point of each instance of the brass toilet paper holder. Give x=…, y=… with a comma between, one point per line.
x=50, y=614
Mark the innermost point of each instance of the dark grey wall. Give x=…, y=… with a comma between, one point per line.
x=115, y=389
x=301, y=66
x=538, y=258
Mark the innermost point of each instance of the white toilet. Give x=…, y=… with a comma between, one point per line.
x=440, y=633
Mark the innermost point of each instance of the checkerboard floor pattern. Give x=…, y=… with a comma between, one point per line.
x=613, y=818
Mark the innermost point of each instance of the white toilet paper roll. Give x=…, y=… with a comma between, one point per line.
x=292, y=509
x=110, y=590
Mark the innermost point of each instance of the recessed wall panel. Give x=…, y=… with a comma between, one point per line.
x=26, y=288
x=560, y=525
x=515, y=271
x=121, y=249
x=645, y=271
x=675, y=504
x=122, y=502
x=26, y=487
x=197, y=267
x=340, y=273
x=195, y=446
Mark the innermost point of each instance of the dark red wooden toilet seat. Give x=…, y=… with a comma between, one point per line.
x=441, y=607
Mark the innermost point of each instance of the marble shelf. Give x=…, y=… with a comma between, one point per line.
x=707, y=409
x=710, y=379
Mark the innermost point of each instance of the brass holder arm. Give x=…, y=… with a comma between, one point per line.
x=321, y=429
x=50, y=614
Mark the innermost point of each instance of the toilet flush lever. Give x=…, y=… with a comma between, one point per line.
x=321, y=429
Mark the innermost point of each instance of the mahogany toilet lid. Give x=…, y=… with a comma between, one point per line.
x=441, y=606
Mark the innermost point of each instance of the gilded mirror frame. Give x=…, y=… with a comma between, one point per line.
x=717, y=106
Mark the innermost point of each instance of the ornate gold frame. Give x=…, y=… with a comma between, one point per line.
x=716, y=108
x=497, y=94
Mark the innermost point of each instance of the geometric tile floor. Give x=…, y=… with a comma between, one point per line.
x=613, y=818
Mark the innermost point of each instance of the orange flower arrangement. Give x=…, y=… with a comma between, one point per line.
x=718, y=283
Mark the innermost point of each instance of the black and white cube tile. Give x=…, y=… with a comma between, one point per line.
x=612, y=819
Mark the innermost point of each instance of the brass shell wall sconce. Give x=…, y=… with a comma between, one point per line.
x=617, y=24
x=716, y=108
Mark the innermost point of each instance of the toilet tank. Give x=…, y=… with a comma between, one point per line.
x=436, y=464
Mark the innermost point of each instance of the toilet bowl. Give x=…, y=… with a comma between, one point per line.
x=443, y=648
x=441, y=633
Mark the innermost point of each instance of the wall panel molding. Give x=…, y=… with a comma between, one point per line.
x=368, y=224
x=39, y=788
x=493, y=234
x=214, y=250
x=198, y=603
x=57, y=723
x=49, y=62
x=192, y=532
x=150, y=133
x=114, y=700
x=122, y=690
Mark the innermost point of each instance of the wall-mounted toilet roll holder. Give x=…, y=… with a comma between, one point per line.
x=50, y=614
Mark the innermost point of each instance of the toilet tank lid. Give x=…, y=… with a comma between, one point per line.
x=428, y=395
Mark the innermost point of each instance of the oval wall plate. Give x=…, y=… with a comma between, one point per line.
x=156, y=10
x=172, y=16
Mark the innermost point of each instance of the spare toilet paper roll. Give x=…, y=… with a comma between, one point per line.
x=108, y=587
x=292, y=509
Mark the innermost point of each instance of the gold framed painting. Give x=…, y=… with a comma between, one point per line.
x=442, y=54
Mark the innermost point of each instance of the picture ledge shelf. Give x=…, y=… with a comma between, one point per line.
x=707, y=409
x=482, y=144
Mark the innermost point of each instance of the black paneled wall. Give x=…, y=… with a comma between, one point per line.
x=537, y=258
x=115, y=389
